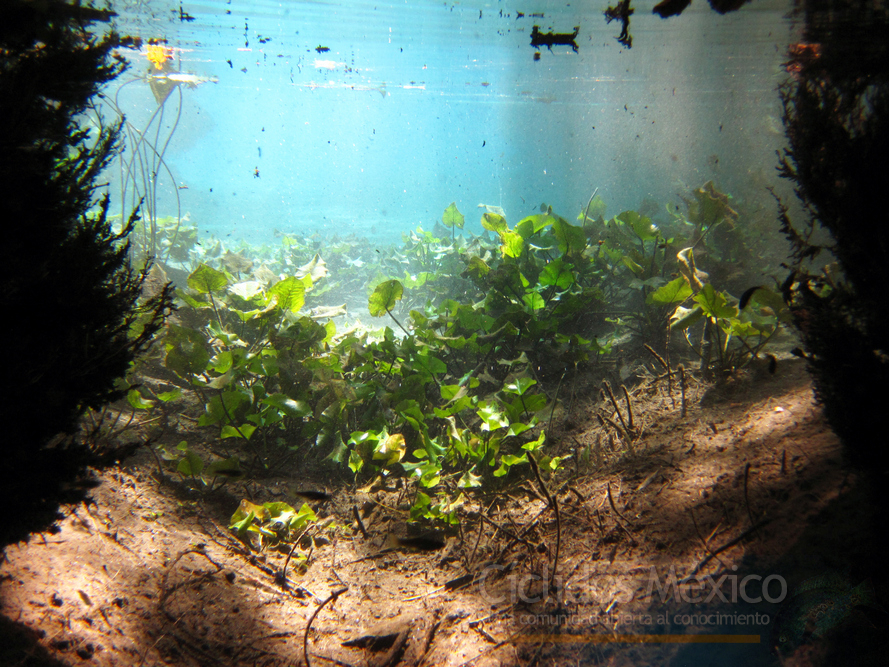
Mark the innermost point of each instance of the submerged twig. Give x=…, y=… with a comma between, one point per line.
x=728, y=545
x=555, y=505
x=333, y=596
x=682, y=385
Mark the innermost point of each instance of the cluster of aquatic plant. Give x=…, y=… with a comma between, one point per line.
x=836, y=111
x=486, y=336
x=76, y=313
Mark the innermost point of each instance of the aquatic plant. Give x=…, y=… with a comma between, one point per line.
x=836, y=113
x=78, y=313
x=142, y=165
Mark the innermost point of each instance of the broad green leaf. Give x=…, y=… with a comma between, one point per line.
x=492, y=418
x=187, y=351
x=715, y=303
x=683, y=318
x=469, y=480
x=243, y=431
x=384, y=297
x=766, y=296
x=356, y=463
x=247, y=508
x=290, y=407
x=290, y=292
x=229, y=468
x=205, y=279
x=191, y=301
x=674, y=291
x=537, y=444
x=190, y=465
x=557, y=273
x=513, y=244
x=533, y=300
x=534, y=223
x=477, y=268
x=242, y=524
x=452, y=217
x=571, y=238
x=517, y=428
x=421, y=506
x=391, y=450
x=520, y=385
x=135, y=399
x=632, y=265
x=222, y=362
x=641, y=226
x=302, y=517
x=494, y=222
x=172, y=395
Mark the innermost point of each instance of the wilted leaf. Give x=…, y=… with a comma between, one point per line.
x=316, y=269
x=236, y=263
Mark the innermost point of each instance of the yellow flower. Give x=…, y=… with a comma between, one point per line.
x=158, y=55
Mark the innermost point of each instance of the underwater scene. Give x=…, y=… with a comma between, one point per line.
x=458, y=333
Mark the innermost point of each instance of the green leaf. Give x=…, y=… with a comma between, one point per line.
x=715, y=304
x=641, y=226
x=494, y=222
x=492, y=418
x=571, y=238
x=229, y=468
x=290, y=407
x=632, y=265
x=533, y=300
x=135, y=399
x=243, y=523
x=302, y=517
x=384, y=297
x=290, y=293
x=534, y=223
x=356, y=463
x=243, y=431
x=520, y=385
x=513, y=244
x=391, y=450
x=421, y=506
x=190, y=465
x=535, y=445
x=223, y=361
x=517, y=428
x=674, y=291
x=172, y=395
x=187, y=351
x=683, y=318
x=766, y=296
x=557, y=273
x=477, y=268
x=205, y=279
x=452, y=217
x=469, y=480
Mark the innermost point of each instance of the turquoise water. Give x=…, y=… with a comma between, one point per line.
x=419, y=104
